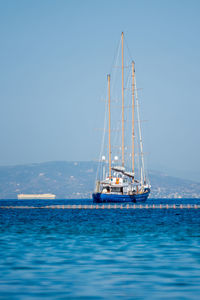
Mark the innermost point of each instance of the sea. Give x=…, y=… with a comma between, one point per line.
x=51, y=253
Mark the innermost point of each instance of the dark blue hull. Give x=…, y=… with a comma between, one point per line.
x=116, y=198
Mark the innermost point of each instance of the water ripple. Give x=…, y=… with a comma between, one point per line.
x=99, y=254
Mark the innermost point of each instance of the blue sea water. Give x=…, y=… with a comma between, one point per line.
x=99, y=254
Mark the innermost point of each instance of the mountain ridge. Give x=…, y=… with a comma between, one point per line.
x=76, y=179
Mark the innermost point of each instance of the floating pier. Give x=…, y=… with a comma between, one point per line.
x=108, y=206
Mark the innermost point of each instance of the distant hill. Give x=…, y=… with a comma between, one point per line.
x=77, y=180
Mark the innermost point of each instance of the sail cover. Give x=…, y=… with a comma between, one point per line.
x=118, y=169
x=123, y=171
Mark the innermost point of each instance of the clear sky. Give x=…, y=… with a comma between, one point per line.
x=54, y=58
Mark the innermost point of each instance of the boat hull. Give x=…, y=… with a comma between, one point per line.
x=117, y=198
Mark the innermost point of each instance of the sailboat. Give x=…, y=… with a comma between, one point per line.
x=118, y=182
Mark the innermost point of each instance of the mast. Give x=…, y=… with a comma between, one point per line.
x=133, y=162
x=122, y=99
x=109, y=126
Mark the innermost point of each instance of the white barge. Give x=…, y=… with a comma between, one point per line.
x=35, y=196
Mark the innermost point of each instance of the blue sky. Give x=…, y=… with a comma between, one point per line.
x=54, y=59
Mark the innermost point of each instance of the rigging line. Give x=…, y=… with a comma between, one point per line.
x=128, y=79
x=129, y=52
x=136, y=121
x=114, y=81
x=147, y=173
x=140, y=134
x=105, y=114
x=138, y=156
x=125, y=67
x=115, y=56
x=113, y=73
x=116, y=137
x=103, y=141
x=113, y=78
x=128, y=97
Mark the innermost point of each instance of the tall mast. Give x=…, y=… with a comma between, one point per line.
x=133, y=163
x=109, y=126
x=122, y=99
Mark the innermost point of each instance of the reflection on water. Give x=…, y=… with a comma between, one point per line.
x=99, y=254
